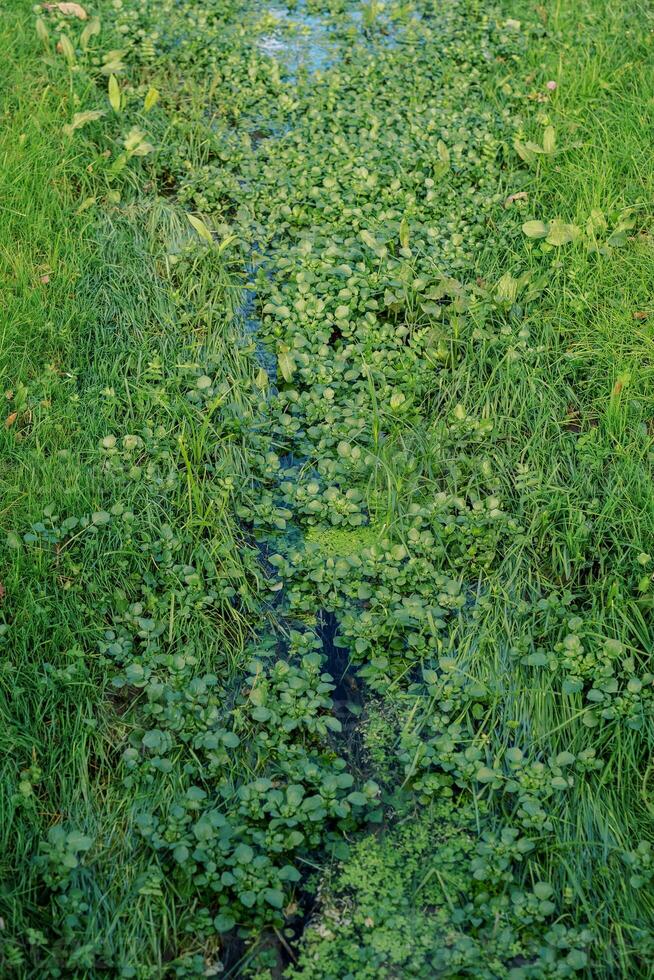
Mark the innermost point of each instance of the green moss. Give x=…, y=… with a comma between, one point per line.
x=335, y=541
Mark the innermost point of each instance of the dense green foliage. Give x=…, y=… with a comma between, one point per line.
x=327, y=463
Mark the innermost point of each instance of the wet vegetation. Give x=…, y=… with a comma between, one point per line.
x=327, y=453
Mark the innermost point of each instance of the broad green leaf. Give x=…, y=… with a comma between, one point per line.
x=143, y=149
x=77, y=841
x=506, y=290
x=151, y=99
x=549, y=139
x=201, y=228
x=154, y=739
x=486, y=775
x=223, y=922
x=261, y=379
x=618, y=237
x=404, y=232
x=42, y=30
x=596, y=222
x=576, y=959
x=133, y=138
x=561, y=233
x=524, y=151
x=274, y=897
x=226, y=242
x=243, y=853
x=82, y=118
x=87, y=203
x=112, y=67
x=286, y=365
x=289, y=873
x=535, y=229
x=67, y=49
x=135, y=143
x=114, y=93
x=443, y=153
x=113, y=63
x=91, y=29
x=536, y=659
x=260, y=713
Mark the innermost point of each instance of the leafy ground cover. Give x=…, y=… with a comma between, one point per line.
x=327, y=510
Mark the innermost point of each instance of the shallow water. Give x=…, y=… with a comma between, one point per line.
x=301, y=41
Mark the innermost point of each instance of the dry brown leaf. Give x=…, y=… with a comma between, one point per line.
x=518, y=196
x=68, y=9
x=641, y=315
x=9, y=421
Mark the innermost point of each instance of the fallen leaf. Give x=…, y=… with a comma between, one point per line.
x=44, y=278
x=641, y=315
x=518, y=196
x=9, y=421
x=68, y=9
x=3, y=591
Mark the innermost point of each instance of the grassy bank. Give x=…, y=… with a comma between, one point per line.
x=327, y=509
x=113, y=313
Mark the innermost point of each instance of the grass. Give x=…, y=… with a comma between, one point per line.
x=171, y=510
x=94, y=342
